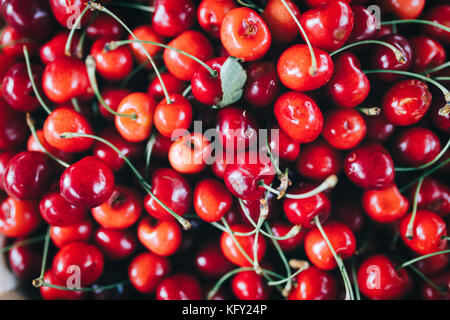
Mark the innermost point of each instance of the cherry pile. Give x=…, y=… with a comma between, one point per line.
x=350, y=200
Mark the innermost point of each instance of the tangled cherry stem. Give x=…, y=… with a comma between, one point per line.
x=75, y=26
x=184, y=223
x=38, y=282
x=424, y=175
x=149, y=150
x=22, y=243
x=313, y=67
x=438, y=68
x=428, y=164
x=398, y=54
x=410, y=228
x=430, y=23
x=355, y=279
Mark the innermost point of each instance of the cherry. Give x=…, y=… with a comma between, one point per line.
x=299, y=116
x=349, y=86
x=428, y=53
x=34, y=145
x=24, y=261
x=87, y=183
x=247, y=285
x=379, y=129
x=253, y=209
x=87, y=257
x=443, y=281
x=344, y=128
x=49, y=293
x=28, y=175
x=369, y=166
x=263, y=85
x=237, y=128
x=285, y=148
x=104, y=26
x=116, y=244
x=30, y=18
x=245, y=35
x=210, y=261
x=232, y=252
x=4, y=159
x=161, y=147
x=405, y=9
x=54, y=49
x=207, y=89
x=173, y=85
x=211, y=13
x=385, y=205
x=212, y=200
x=12, y=43
x=281, y=229
x=145, y=33
x=175, y=116
x=63, y=11
x=433, y=265
x=143, y=107
x=379, y=280
x=406, y=102
x=439, y=14
x=314, y=284
x=294, y=68
x=282, y=27
x=112, y=65
x=120, y=211
x=65, y=79
x=57, y=211
x=19, y=218
x=147, y=270
x=181, y=286
x=13, y=129
x=433, y=196
x=303, y=211
x=162, y=238
x=192, y=42
x=441, y=121
x=78, y=232
x=6, y=62
x=428, y=230
x=351, y=214
x=190, y=153
x=364, y=25
x=171, y=18
x=318, y=161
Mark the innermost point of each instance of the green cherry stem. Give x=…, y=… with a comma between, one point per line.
x=134, y=6
x=76, y=105
x=427, y=280
x=355, y=280
x=149, y=150
x=23, y=243
x=410, y=228
x=250, y=4
x=398, y=54
x=108, y=287
x=438, y=68
x=136, y=70
x=373, y=111
x=430, y=23
x=39, y=281
x=233, y=237
x=187, y=91
x=442, y=78
x=426, y=165
x=286, y=280
x=417, y=259
x=75, y=26
x=424, y=175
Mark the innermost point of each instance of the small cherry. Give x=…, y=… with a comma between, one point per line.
x=173, y=85
x=439, y=14
x=428, y=53
x=78, y=232
x=190, y=153
x=104, y=26
x=281, y=25
x=283, y=146
x=262, y=86
x=55, y=47
x=206, y=88
x=210, y=15
x=441, y=121
x=281, y=229
x=12, y=43
x=177, y=115
x=19, y=218
x=314, y=284
x=247, y=285
x=443, y=281
x=24, y=261
x=49, y=293
x=385, y=205
x=404, y=9
x=433, y=196
x=212, y=200
x=171, y=18
x=379, y=129
x=4, y=159
x=147, y=270
x=63, y=11
x=34, y=145
x=210, y=261
x=344, y=129
x=433, y=265
x=146, y=33
x=162, y=238
x=13, y=128
x=181, y=286
x=57, y=211
x=318, y=160
x=364, y=25
x=116, y=244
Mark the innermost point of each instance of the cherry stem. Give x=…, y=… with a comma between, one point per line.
x=250, y=4
x=184, y=223
x=442, y=78
x=76, y=105
x=39, y=281
x=410, y=228
x=136, y=70
x=33, y=84
x=288, y=279
x=269, y=150
x=313, y=68
x=134, y=6
x=99, y=7
x=398, y=54
x=75, y=26
x=427, y=280
x=348, y=287
x=426, y=165
x=374, y=111
x=438, y=68
x=417, y=259
x=424, y=175
x=31, y=125
x=149, y=150
x=22, y=243
x=91, y=66
x=187, y=91
x=355, y=279
x=108, y=287
x=430, y=23
x=12, y=43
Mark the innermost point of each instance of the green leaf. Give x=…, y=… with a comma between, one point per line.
x=233, y=78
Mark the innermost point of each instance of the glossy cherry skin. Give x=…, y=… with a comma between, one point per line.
x=162, y=237
x=341, y=238
x=57, y=211
x=263, y=85
x=253, y=210
x=344, y=129
x=13, y=129
x=4, y=159
x=65, y=79
x=211, y=13
x=369, y=166
x=303, y=211
x=378, y=278
x=31, y=18
x=364, y=24
x=19, y=218
x=314, y=284
x=48, y=293
x=379, y=129
x=171, y=18
x=206, y=88
x=440, y=15
x=192, y=42
x=120, y=211
x=247, y=285
x=146, y=33
x=280, y=22
x=329, y=26
x=147, y=270
x=283, y=146
x=12, y=43
x=349, y=86
x=433, y=265
x=86, y=256
x=17, y=90
x=294, y=65
x=433, y=196
x=181, y=286
x=232, y=252
x=406, y=102
x=87, y=183
x=63, y=11
x=28, y=175
x=24, y=261
x=440, y=121
x=442, y=281
x=385, y=205
x=190, y=154
x=299, y=116
x=104, y=25
x=172, y=189
x=35, y=145
x=428, y=230
x=78, y=232
x=428, y=53
x=318, y=160
x=210, y=261
x=116, y=244
x=173, y=85
x=404, y=9
x=212, y=200
x=280, y=229
x=416, y=146
x=245, y=35
x=383, y=58
x=174, y=116
x=55, y=47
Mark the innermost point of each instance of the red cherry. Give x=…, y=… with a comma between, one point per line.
x=6, y=62
x=78, y=232
x=116, y=244
x=24, y=261
x=405, y=9
x=19, y=218
x=439, y=14
x=351, y=214
x=318, y=161
x=369, y=166
x=171, y=18
x=280, y=229
x=433, y=196
x=33, y=145
x=379, y=129
x=280, y=22
x=253, y=209
x=86, y=257
x=147, y=270
x=294, y=68
x=283, y=147
x=211, y=13
x=13, y=129
x=49, y=293
x=12, y=43
x=344, y=128
x=181, y=286
x=190, y=153
x=162, y=238
x=262, y=86
x=232, y=252
x=364, y=26
x=207, y=89
x=210, y=261
x=57, y=211
x=145, y=33
x=299, y=116
x=433, y=265
x=247, y=285
x=385, y=205
x=4, y=159
x=55, y=47
x=341, y=238
x=441, y=121
x=104, y=26
x=173, y=85
x=442, y=281
x=87, y=183
x=428, y=53
x=428, y=230
x=212, y=200
x=314, y=284
x=174, y=116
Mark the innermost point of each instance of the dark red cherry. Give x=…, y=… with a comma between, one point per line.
x=379, y=129
x=28, y=175
x=55, y=47
x=173, y=85
x=369, y=166
x=12, y=43
x=318, y=160
x=24, y=261
x=263, y=85
x=181, y=286
x=171, y=18
x=442, y=121
x=364, y=26
x=87, y=183
x=282, y=146
x=433, y=196
x=433, y=265
x=280, y=229
x=439, y=14
x=104, y=26
x=314, y=284
x=210, y=261
x=253, y=209
x=428, y=53
x=247, y=285
x=206, y=88
x=116, y=244
x=57, y=211
x=344, y=129
x=442, y=281
x=13, y=128
x=78, y=232
x=4, y=159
